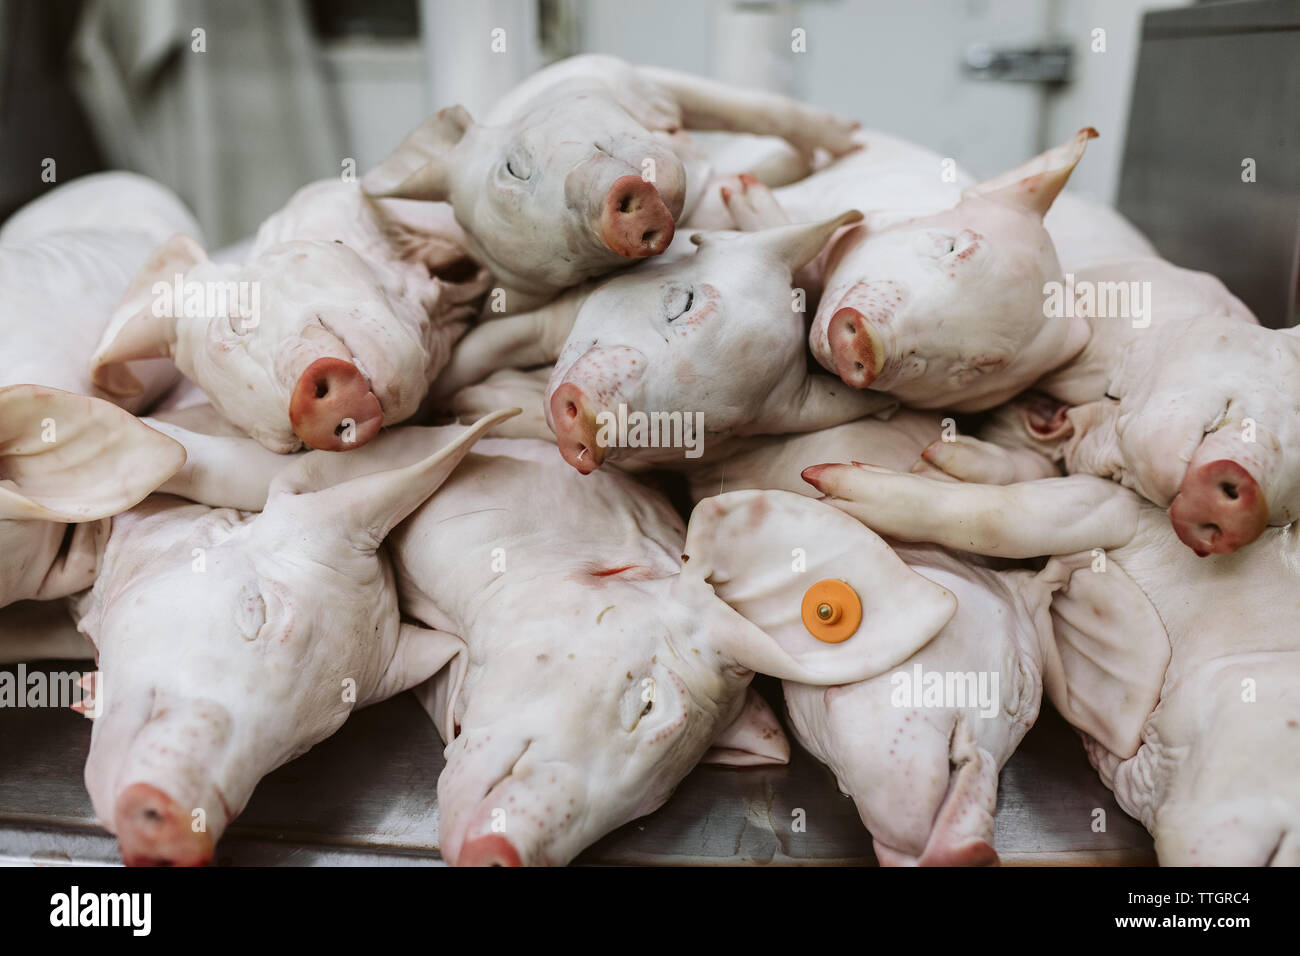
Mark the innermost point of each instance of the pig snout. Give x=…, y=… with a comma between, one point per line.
x=333, y=408
x=154, y=830
x=634, y=220
x=574, y=418
x=856, y=349
x=1219, y=508
x=492, y=849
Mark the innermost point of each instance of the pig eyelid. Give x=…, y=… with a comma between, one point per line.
x=687, y=304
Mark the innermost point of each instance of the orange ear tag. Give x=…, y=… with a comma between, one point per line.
x=831, y=611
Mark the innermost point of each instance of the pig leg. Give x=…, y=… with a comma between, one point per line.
x=822, y=402
x=1024, y=520
x=507, y=388
x=708, y=104
x=752, y=205
x=519, y=341
x=970, y=459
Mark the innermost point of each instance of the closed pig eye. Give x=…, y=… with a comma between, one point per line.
x=678, y=301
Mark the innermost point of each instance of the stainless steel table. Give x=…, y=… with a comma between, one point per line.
x=368, y=796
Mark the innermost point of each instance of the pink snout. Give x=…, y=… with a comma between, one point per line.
x=1219, y=508
x=574, y=422
x=332, y=407
x=856, y=349
x=154, y=830
x=634, y=221
x=490, y=850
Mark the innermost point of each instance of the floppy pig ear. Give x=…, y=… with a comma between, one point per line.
x=1034, y=185
x=135, y=333
x=418, y=168
x=801, y=574
x=794, y=245
x=370, y=506
x=753, y=739
x=72, y=458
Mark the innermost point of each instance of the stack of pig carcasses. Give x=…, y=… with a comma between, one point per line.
x=965, y=429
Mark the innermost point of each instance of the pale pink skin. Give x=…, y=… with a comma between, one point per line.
x=228, y=642
x=655, y=341
x=65, y=261
x=1213, y=771
x=939, y=299
x=375, y=292
x=924, y=779
x=102, y=461
x=535, y=184
x=548, y=725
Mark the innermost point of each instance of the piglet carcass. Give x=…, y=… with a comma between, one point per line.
x=345, y=310
x=1213, y=770
x=600, y=664
x=919, y=746
x=709, y=343
x=228, y=643
x=584, y=167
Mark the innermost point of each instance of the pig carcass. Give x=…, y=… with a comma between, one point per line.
x=228, y=643
x=600, y=664
x=584, y=167
x=1213, y=769
x=919, y=747
x=709, y=343
x=344, y=311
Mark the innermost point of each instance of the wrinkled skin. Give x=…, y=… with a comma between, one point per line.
x=358, y=303
x=552, y=741
x=228, y=643
x=924, y=777
x=583, y=167
x=943, y=309
x=1213, y=770
x=1188, y=412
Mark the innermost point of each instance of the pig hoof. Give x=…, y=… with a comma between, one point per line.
x=154, y=830
x=1218, y=509
x=635, y=222
x=490, y=850
x=333, y=408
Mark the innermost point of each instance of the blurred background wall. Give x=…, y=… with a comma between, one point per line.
x=235, y=103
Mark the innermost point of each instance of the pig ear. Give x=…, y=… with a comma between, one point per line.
x=72, y=458
x=753, y=739
x=134, y=332
x=773, y=557
x=794, y=245
x=1034, y=186
x=418, y=168
x=370, y=506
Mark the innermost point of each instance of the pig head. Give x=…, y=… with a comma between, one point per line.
x=582, y=168
x=67, y=463
x=333, y=328
x=228, y=643
x=566, y=724
x=947, y=310
x=714, y=339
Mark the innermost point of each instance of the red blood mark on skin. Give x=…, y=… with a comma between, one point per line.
x=974, y=244
x=608, y=571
